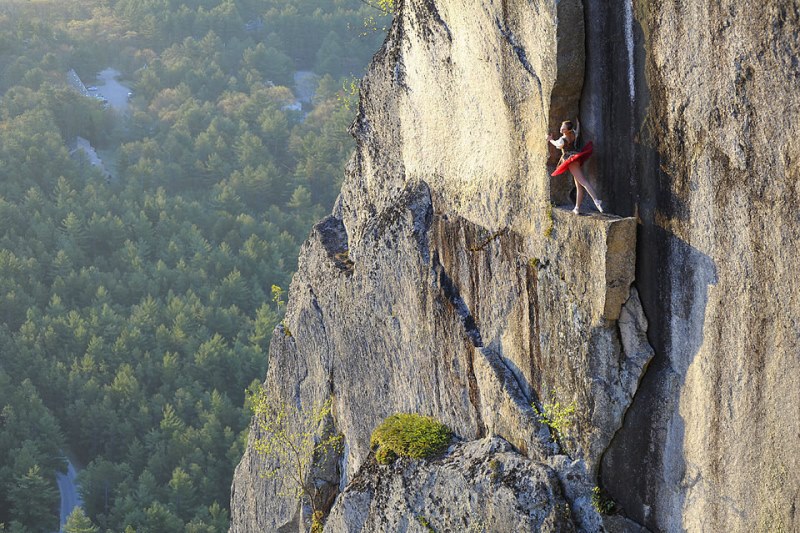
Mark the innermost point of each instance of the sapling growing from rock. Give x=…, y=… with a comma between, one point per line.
x=557, y=416
x=293, y=440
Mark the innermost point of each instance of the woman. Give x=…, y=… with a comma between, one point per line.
x=572, y=159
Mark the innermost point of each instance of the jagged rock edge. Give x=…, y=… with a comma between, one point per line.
x=644, y=372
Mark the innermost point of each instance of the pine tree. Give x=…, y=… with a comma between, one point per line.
x=32, y=499
x=78, y=522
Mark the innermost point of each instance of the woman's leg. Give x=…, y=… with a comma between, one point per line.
x=580, y=180
x=578, y=195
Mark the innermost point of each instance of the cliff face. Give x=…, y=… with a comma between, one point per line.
x=445, y=284
x=711, y=441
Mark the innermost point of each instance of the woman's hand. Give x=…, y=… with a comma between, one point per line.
x=549, y=137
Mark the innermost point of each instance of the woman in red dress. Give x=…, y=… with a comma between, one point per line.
x=572, y=159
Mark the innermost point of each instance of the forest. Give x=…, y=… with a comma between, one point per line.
x=136, y=308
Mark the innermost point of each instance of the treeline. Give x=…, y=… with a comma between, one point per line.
x=136, y=310
x=326, y=36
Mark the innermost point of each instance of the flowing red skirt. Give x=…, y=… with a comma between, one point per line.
x=579, y=158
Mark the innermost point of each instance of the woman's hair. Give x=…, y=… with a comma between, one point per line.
x=568, y=124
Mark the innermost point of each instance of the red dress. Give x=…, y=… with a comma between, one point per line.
x=569, y=156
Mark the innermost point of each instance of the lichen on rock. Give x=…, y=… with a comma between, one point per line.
x=482, y=485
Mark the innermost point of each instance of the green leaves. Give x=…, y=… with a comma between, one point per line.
x=293, y=439
x=557, y=416
x=78, y=522
x=31, y=497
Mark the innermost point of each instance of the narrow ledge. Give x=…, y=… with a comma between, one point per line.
x=597, y=257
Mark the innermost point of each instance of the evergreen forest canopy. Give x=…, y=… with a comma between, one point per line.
x=135, y=310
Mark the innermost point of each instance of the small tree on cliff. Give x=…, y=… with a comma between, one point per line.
x=387, y=9
x=293, y=440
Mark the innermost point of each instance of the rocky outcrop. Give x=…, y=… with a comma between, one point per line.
x=592, y=347
x=483, y=485
x=444, y=283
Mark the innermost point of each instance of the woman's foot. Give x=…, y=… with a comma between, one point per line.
x=576, y=210
x=599, y=205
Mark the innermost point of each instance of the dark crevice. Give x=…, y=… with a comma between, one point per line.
x=318, y=309
x=473, y=336
x=510, y=372
x=509, y=36
x=433, y=11
x=534, y=317
x=452, y=295
x=474, y=392
x=601, y=458
x=333, y=237
x=422, y=209
x=327, y=472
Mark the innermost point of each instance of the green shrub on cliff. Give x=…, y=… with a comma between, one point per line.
x=555, y=415
x=601, y=502
x=409, y=435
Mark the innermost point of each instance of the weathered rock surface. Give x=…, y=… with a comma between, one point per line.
x=479, y=486
x=438, y=287
x=577, y=485
x=620, y=524
x=712, y=441
x=586, y=356
x=444, y=283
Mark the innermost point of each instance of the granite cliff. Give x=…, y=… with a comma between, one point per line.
x=445, y=283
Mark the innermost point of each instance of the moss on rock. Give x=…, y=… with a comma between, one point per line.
x=409, y=435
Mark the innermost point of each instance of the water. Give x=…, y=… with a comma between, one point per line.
x=305, y=85
x=629, y=47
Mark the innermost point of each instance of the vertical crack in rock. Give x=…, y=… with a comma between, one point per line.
x=511, y=39
x=473, y=335
x=451, y=293
x=333, y=237
x=511, y=413
x=514, y=378
x=423, y=218
x=329, y=363
x=636, y=353
x=399, y=75
x=326, y=473
x=535, y=326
